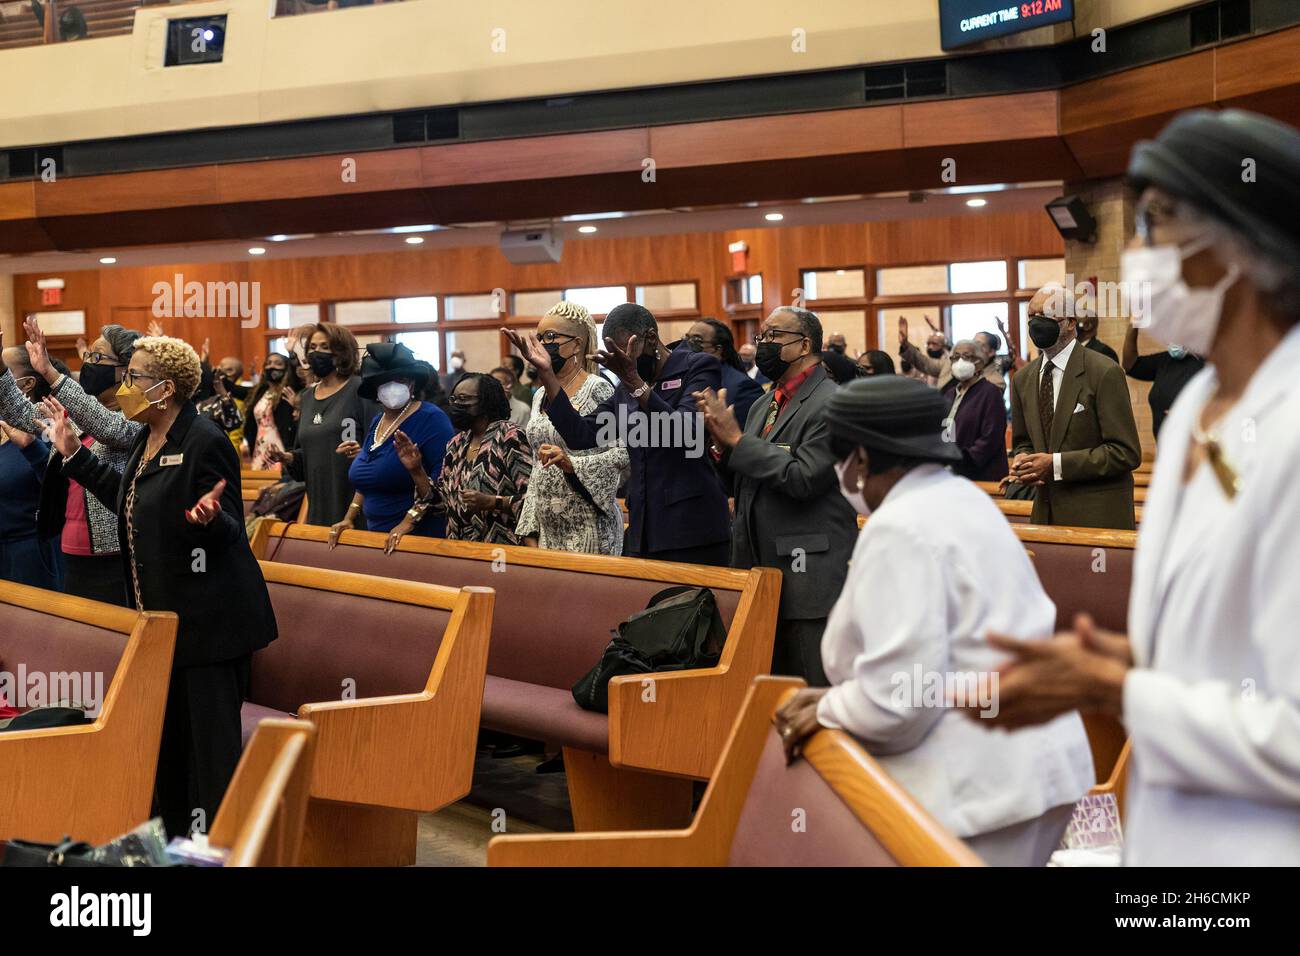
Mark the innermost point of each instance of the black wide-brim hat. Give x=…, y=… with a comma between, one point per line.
x=1240, y=167
x=388, y=361
x=895, y=414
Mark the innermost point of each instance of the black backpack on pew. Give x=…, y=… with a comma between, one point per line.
x=680, y=629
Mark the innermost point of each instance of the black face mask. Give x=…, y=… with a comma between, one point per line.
x=322, y=363
x=769, y=361
x=274, y=374
x=558, y=361
x=646, y=366
x=934, y=353
x=1043, y=331
x=461, y=418
x=835, y=348
x=96, y=379
x=747, y=363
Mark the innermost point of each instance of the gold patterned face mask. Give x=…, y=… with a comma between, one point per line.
x=133, y=400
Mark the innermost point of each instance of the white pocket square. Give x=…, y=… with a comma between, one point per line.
x=1078, y=408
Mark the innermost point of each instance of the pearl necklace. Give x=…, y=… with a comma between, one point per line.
x=379, y=440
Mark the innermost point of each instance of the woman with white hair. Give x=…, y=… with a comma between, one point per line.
x=181, y=522
x=1207, y=679
x=572, y=500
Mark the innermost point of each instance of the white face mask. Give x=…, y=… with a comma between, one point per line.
x=394, y=395
x=854, y=498
x=457, y=363
x=1177, y=313
x=963, y=369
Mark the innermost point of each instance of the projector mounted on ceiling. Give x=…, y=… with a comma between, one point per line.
x=525, y=246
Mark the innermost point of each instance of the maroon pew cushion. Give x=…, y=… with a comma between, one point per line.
x=549, y=626
x=250, y=715
x=40, y=643
x=1072, y=577
x=531, y=710
x=343, y=646
x=792, y=817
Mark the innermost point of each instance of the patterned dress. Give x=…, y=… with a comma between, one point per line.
x=556, y=512
x=268, y=433
x=501, y=469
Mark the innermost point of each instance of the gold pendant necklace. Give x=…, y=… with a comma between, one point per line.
x=1224, y=473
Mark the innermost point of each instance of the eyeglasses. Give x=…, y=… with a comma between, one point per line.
x=99, y=358
x=132, y=376
x=770, y=335
x=550, y=337
x=698, y=340
x=463, y=401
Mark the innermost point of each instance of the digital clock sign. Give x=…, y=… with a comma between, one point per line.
x=962, y=22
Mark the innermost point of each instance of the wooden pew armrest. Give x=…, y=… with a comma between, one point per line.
x=677, y=722
x=632, y=848
x=382, y=751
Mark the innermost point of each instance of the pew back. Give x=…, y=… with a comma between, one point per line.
x=262, y=815
x=93, y=781
x=555, y=612
x=855, y=814
x=1083, y=569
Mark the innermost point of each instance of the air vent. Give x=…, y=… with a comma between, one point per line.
x=1234, y=19
x=423, y=126
x=927, y=79
x=884, y=83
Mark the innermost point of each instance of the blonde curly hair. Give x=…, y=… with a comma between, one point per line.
x=578, y=315
x=175, y=361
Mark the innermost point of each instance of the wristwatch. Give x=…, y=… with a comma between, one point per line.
x=645, y=387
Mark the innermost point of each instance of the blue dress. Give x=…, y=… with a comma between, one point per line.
x=24, y=557
x=384, y=482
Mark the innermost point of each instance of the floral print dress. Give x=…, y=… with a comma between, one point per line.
x=577, y=512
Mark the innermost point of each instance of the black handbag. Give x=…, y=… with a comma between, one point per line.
x=40, y=718
x=282, y=500
x=64, y=853
x=680, y=629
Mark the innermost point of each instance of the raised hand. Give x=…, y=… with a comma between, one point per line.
x=902, y=332
x=530, y=347
x=408, y=453
x=206, y=351
x=930, y=323
x=155, y=328
x=16, y=435
x=59, y=431
x=719, y=417
x=207, y=507
x=38, y=354
x=620, y=361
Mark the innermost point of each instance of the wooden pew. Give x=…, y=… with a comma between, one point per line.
x=635, y=767
x=1083, y=569
x=263, y=813
x=268, y=475
x=94, y=781
x=391, y=673
x=855, y=814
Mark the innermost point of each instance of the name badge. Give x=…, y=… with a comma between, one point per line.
x=668, y=386
x=166, y=461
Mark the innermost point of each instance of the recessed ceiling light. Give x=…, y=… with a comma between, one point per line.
x=257, y=251
x=425, y=228
x=414, y=240
x=977, y=203
x=107, y=260
x=774, y=216
x=279, y=237
x=587, y=229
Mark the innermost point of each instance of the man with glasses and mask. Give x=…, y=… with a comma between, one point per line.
x=677, y=508
x=1073, y=437
x=782, y=474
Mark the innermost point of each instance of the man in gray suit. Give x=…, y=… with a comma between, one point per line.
x=788, y=514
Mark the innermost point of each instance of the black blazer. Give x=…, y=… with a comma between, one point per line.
x=675, y=498
x=206, y=574
x=742, y=392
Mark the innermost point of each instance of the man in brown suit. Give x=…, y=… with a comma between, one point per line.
x=1073, y=436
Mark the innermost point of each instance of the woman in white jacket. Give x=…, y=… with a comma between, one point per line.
x=935, y=568
x=1207, y=680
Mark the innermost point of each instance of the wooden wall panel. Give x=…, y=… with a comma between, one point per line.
x=983, y=119
x=779, y=254
x=777, y=137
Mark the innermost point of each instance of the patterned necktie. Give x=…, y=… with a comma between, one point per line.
x=1046, y=399
x=774, y=410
